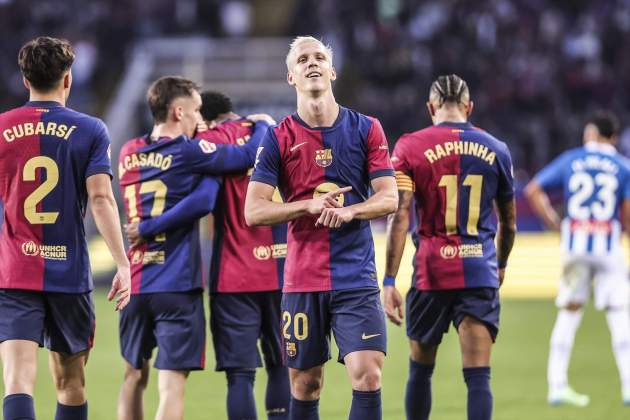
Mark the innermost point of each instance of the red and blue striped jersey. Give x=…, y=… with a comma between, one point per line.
x=47, y=152
x=457, y=172
x=244, y=259
x=154, y=177
x=304, y=162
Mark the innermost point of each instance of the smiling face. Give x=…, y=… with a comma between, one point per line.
x=310, y=66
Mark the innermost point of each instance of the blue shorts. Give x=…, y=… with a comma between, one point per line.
x=355, y=316
x=174, y=322
x=237, y=321
x=429, y=312
x=63, y=322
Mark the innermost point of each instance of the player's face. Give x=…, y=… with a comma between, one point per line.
x=311, y=69
x=187, y=111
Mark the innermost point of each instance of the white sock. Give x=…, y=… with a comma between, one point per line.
x=619, y=325
x=561, y=345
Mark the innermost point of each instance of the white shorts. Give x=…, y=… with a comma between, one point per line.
x=608, y=277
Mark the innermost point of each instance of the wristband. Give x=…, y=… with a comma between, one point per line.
x=389, y=281
x=501, y=266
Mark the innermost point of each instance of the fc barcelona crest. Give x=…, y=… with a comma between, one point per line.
x=323, y=157
x=291, y=349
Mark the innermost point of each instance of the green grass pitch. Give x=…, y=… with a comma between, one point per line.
x=518, y=376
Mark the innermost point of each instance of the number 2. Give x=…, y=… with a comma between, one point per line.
x=449, y=182
x=29, y=173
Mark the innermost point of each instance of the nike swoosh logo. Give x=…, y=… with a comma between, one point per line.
x=297, y=145
x=367, y=337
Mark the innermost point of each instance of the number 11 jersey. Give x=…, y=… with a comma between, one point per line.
x=47, y=152
x=456, y=172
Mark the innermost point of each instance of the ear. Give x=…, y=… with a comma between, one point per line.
x=177, y=112
x=26, y=83
x=333, y=74
x=67, y=80
x=290, y=80
x=469, y=109
x=431, y=109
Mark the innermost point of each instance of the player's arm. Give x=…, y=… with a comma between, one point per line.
x=105, y=212
x=539, y=202
x=198, y=203
x=506, y=232
x=397, y=228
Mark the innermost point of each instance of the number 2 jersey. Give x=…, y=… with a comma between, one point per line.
x=456, y=172
x=47, y=152
x=595, y=180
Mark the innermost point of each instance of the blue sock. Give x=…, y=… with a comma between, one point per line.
x=366, y=405
x=240, y=396
x=304, y=410
x=71, y=412
x=18, y=407
x=418, y=392
x=479, y=393
x=278, y=395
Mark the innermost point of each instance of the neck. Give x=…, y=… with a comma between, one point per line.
x=225, y=117
x=53, y=96
x=168, y=129
x=318, y=110
x=449, y=115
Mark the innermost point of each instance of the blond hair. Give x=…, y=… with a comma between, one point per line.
x=301, y=40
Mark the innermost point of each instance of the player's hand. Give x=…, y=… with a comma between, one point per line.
x=393, y=303
x=132, y=230
x=501, y=276
x=202, y=126
x=329, y=200
x=262, y=117
x=334, y=217
x=121, y=287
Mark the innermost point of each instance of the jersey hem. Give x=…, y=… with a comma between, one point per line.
x=321, y=289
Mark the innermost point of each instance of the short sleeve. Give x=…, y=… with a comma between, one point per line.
x=379, y=163
x=550, y=177
x=505, y=186
x=402, y=168
x=626, y=183
x=99, y=161
x=267, y=164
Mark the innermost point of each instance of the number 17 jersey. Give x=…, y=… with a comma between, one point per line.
x=456, y=172
x=47, y=152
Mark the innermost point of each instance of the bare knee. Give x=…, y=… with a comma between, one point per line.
x=137, y=378
x=573, y=306
x=368, y=380
x=306, y=385
x=422, y=353
x=364, y=368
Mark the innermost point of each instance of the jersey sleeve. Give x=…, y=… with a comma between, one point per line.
x=505, y=186
x=201, y=201
x=267, y=165
x=379, y=163
x=402, y=168
x=99, y=161
x=550, y=177
x=626, y=183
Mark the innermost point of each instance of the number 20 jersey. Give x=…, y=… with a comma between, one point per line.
x=595, y=180
x=456, y=172
x=47, y=152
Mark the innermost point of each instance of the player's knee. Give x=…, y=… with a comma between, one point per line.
x=138, y=378
x=19, y=384
x=368, y=380
x=573, y=306
x=306, y=387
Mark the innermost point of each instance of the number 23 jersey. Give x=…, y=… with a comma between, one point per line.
x=47, y=152
x=456, y=172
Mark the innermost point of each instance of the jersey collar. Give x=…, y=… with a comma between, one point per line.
x=43, y=104
x=340, y=116
x=605, y=148
x=461, y=125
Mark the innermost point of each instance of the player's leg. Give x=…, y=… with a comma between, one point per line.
x=358, y=322
x=235, y=320
x=135, y=381
x=21, y=331
x=306, y=333
x=428, y=318
x=573, y=292
x=476, y=317
x=181, y=340
x=278, y=391
x=137, y=341
x=68, y=372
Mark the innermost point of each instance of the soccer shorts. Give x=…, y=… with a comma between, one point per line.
x=607, y=276
x=172, y=321
x=429, y=312
x=355, y=317
x=62, y=322
x=237, y=321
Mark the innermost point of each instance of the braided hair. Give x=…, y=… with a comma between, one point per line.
x=449, y=88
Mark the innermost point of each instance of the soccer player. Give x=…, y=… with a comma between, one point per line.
x=595, y=180
x=457, y=174
x=53, y=160
x=324, y=158
x=157, y=174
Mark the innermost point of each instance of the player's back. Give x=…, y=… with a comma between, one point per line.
x=595, y=180
x=47, y=152
x=458, y=171
x=244, y=259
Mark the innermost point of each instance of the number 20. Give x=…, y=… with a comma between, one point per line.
x=300, y=325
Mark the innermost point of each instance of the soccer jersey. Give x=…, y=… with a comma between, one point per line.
x=154, y=176
x=244, y=259
x=595, y=180
x=305, y=162
x=456, y=171
x=47, y=152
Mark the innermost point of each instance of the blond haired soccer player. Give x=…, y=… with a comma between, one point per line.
x=457, y=174
x=53, y=161
x=324, y=159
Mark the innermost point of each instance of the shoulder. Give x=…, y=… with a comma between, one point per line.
x=132, y=145
x=82, y=119
x=492, y=141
